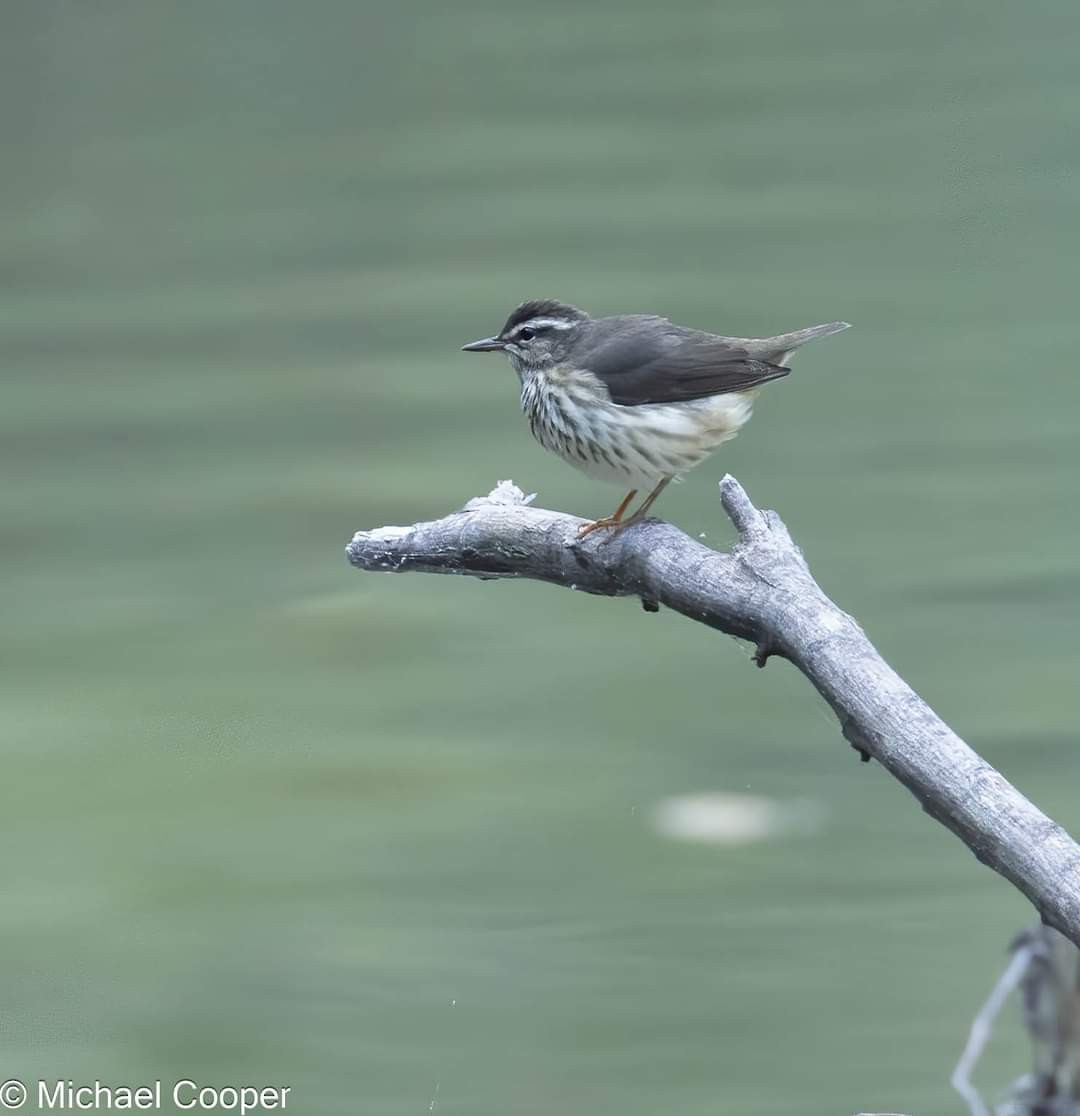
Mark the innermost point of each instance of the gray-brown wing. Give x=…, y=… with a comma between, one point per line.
x=652, y=364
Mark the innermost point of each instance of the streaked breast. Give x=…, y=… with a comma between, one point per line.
x=571, y=414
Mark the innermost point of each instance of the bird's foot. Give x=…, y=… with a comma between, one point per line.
x=609, y=522
x=613, y=522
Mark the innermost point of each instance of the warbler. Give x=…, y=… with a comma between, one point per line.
x=635, y=399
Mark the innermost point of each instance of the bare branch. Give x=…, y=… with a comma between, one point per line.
x=761, y=591
x=1046, y=966
x=982, y=1027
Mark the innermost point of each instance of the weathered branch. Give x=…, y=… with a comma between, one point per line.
x=761, y=591
x=982, y=1027
x=1046, y=967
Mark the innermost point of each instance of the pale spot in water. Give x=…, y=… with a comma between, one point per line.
x=722, y=818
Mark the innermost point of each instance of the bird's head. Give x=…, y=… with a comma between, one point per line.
x=538, y=335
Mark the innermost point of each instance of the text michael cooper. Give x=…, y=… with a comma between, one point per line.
x=185, y=1094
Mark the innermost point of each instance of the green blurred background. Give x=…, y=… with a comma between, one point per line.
x=387, y=840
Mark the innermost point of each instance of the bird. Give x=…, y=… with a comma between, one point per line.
x=635, y=399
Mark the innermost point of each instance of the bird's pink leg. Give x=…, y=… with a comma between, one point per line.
x=646, y=503
x=609, y=520
x=616, y=523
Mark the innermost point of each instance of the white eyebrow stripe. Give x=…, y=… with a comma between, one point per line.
x=543, y=323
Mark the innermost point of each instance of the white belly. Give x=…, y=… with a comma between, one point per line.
x=571, y=414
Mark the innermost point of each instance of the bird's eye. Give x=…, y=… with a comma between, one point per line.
x=526, y=334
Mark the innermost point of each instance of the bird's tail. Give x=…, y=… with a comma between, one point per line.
x=777, y=349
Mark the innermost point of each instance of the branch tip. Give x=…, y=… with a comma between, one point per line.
x=748, y=521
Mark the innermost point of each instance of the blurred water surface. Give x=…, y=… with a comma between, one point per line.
x=387, y=840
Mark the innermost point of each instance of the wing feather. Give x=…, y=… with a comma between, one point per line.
x=653, y=364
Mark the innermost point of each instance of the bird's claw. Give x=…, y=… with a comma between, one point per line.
x=608, y=521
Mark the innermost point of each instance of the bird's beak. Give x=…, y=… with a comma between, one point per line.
x=484, y=345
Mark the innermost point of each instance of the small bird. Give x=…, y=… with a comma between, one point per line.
x=635, y=399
